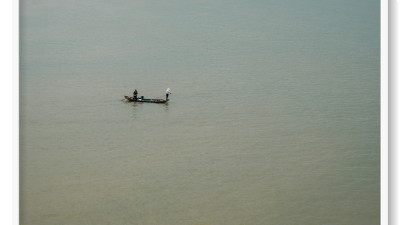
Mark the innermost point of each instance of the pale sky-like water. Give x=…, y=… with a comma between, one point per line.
x=274, y=116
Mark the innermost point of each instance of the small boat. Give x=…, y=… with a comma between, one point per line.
x=141, y=99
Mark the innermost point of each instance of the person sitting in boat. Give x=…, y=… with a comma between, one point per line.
x=167, y=93
x=135, y=93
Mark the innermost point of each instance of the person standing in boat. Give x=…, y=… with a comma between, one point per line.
x=167, y=93
x=135, y=93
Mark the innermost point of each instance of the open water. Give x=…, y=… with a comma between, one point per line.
x=273, y=118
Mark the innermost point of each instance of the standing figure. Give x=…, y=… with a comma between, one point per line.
x=135, y=94
x=167, y=93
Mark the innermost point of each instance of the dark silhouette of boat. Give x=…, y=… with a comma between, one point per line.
x=148, y=100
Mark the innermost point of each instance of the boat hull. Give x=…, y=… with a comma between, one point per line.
x=148, y=100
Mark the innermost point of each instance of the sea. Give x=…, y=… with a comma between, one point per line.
x=274, y=116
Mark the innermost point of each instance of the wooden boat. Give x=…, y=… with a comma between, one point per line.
x=148, y=100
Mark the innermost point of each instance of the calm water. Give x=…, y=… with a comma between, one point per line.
x=274, y=116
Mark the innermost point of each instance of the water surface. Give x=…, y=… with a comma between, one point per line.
x=274, y=116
